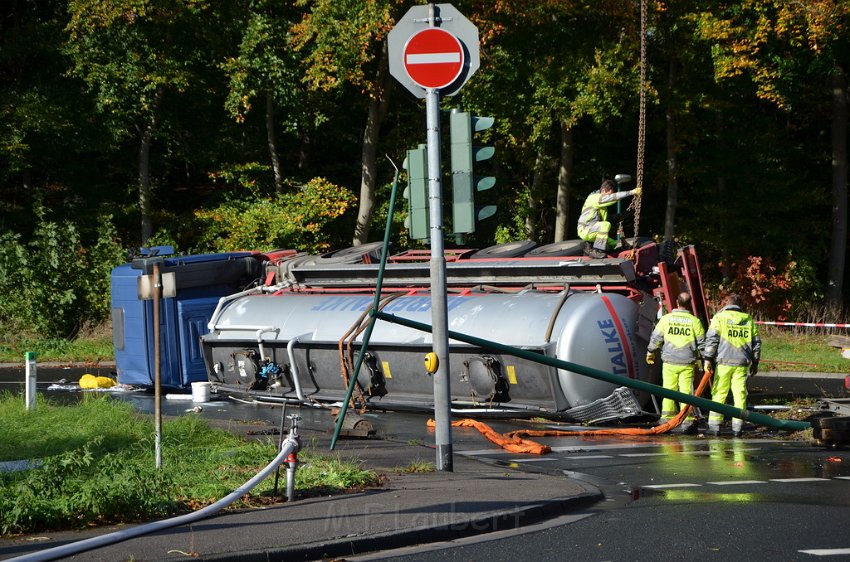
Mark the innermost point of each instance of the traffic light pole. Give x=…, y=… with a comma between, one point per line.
x=439, y=306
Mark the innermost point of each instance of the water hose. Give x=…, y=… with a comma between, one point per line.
x=290, y=445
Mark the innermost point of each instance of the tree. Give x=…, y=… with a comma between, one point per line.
x=344, y=44
x=266, y=69
x=795, y=53
x=131, y=54
x=579, y=66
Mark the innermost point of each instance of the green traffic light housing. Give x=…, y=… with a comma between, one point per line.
x=418, y=219
x=464, y=154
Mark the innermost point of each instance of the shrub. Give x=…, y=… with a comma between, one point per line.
x=308, y=220
x=51, y=284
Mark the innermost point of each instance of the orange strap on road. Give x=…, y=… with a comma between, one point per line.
x=514, y=441
x=506, y=442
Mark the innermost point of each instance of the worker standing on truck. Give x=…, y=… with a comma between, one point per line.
x=593, y=225
x=681, y=337
x=733, y=343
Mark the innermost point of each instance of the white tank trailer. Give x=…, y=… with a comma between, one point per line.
x=297, y=337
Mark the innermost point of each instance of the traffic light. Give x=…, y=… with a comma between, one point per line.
x=464, y=154
x=418, y=219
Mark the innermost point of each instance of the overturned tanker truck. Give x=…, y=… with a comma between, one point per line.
x=296, y=336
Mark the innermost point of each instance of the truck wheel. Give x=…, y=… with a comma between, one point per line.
x=365, y=253
x=566, y=248
x=509, y=250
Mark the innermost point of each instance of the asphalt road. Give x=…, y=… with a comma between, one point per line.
x=667, y=497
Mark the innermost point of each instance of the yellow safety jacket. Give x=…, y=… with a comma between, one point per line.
x=733, y=338
x=681, y=337
x=595, y=209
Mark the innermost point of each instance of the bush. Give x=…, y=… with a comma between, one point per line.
x=307, y=220
x=52, y=284
x=774, y=292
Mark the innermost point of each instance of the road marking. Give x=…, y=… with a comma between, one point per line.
x=791, y=480
x=643, y=454
x=683, y=485
x=826, y=551
x=842, y=477
x=534, y=459
x=733, y=482
x=585, y=457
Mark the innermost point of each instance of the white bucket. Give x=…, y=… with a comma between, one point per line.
x=200, y=392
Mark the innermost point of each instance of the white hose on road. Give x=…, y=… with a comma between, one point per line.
x=289, y=446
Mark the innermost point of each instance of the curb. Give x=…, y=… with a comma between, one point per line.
x=496, y=521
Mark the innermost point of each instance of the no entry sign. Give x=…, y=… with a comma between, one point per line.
x=433, y=57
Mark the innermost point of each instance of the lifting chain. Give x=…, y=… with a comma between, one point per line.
x=636, y=201
x=641, y=115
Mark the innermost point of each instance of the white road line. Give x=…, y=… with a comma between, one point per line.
x=683, y=485
x=733, y=482
x=792, y=480
x=585, y=457
x=826, y=551
x=842, y=477
x=643, y=454
x=536, y=459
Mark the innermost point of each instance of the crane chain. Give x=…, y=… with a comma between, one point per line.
x=641, y=115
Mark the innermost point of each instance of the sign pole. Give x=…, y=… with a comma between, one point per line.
x=157, y=378
x=439, y=305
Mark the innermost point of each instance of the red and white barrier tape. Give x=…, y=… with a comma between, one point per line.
x=804, y=324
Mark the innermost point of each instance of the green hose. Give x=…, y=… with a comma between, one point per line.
x=385, y=250
x=755, y=417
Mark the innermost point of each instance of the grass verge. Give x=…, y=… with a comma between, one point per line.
x=782, y=350
x=96, y=465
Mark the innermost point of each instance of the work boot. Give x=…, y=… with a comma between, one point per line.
x=594, y=253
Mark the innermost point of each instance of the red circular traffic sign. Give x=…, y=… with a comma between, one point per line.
x=433, y=57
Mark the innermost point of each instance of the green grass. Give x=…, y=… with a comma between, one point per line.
x=98, y=466
x=784, y=350
x=94, y=346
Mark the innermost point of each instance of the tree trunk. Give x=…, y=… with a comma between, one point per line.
x=838, y=248
x=144, y=169
x=672, y=172
x=565, y=175
x=537, y=179
x=271, y=138
x=369, y=167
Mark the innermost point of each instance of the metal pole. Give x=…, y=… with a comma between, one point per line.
x=30, y=392
x=439, y=306
x=439, y=315
x=157, y=389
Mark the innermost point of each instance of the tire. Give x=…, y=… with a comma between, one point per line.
x=667, y=253
x=365, y=253
x=564, y=249
x=509, y=250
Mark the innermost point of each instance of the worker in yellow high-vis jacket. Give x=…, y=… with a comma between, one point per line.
x=593, y=225
x=681, y=337
x=733, y=343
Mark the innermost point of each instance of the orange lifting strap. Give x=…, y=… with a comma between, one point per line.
x=514, y=441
